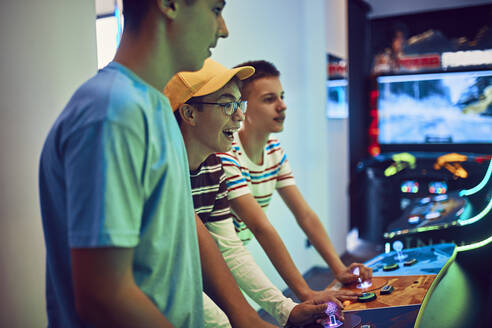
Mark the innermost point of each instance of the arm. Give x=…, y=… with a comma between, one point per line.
x=219, y=284
x=255, y=283
x=247, y=273
x=105, y=292
x=316, y=233
x=248, y=209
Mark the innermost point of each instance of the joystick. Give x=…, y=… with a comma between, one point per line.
x=361, y=284
x=332, y=311
x=398, y=246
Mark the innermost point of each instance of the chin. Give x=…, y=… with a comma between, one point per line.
x=277, y=129
x=193, y=67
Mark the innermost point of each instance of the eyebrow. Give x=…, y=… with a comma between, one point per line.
x=272, y=94
x=228, y=95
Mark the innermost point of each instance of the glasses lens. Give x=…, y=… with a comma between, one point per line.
x=244, y=105
x=230, y=108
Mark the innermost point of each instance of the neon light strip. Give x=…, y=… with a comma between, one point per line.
x=476, y=245
x=479, y=216
x=117, y=13
x=433, y=286
x=480, y=186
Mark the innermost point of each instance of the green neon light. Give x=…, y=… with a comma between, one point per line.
x=479, y=216
x=433, y=286
x=476, y=245
x=479, y=186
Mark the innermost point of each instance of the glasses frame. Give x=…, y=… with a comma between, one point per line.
x=229, y=108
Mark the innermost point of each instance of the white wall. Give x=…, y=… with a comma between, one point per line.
x=292, y=35
x=48, y=49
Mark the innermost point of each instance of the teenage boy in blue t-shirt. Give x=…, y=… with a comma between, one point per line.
x=120, y=232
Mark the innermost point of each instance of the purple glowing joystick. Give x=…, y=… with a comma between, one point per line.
x=332, y=311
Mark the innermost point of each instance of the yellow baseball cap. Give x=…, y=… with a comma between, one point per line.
x=210, y=78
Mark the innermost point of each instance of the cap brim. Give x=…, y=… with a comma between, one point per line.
x=219, y=81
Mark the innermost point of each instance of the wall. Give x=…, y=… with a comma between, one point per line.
x=48, y=49
x=53, y=50
x=292, y=35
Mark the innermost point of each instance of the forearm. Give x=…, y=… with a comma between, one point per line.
x=248, y=274
x=219, y=283
x=105, y=292
x=316, y=233
x=279, y=256
x=126, y=307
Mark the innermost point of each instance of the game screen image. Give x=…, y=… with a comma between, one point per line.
x=437, y=108
x=336, y=105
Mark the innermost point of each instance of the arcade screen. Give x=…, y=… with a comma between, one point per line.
x=437, y=108
x=336, y=104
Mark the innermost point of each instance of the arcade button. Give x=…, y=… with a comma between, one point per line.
x=414, y=219
x=410, y=262
x=391, y=267
x=366, y=297
x=386, y=290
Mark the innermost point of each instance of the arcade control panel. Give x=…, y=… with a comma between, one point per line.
x=402, y=281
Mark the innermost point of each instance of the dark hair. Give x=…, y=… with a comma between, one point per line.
x=134, y=11
x=190, y=101
x=262, y=69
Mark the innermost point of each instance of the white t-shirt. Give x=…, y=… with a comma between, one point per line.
x=244, y=176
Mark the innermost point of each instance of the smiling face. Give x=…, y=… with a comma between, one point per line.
x=266, y=107
x=195, y=31
x=213, y=129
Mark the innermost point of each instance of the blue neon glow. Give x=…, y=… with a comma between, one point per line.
x=480, y=186
x=119, y=19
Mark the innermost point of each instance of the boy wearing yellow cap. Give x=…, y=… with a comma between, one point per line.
x=209, y=110
x=256, y=167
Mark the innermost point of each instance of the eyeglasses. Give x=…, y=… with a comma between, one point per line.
x=229, y=108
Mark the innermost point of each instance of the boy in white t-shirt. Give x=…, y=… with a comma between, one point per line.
x=256, y=167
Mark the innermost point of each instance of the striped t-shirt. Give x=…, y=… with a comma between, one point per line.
x=244, y=176
x=209, y=191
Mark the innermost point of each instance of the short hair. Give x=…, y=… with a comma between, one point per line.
x=134, y=12
x=262, y=68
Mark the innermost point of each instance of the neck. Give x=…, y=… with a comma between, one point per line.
x=147, y=55
x=253, y=142
x=196, y=155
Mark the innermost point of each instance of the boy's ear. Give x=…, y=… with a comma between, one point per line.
x=188, y=114
x=168, y=8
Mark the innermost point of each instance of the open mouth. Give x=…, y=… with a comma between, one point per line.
x=279, y=119
x=229, y=133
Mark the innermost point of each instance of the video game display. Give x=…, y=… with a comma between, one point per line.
x=336, y=104
x=437, y=108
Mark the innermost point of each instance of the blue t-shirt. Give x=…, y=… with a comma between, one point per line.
x=114, y=173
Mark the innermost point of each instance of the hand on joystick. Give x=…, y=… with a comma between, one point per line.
x=348, y=277
x=313, y=311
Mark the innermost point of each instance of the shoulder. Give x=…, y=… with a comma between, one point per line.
x=232, y=157
x=211, y=167
x=273, y=147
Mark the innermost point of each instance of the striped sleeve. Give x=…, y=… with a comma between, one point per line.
x=236, y=176
x=209, y=191
x=284, y=177
x=221, y=210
